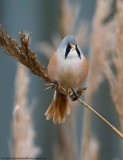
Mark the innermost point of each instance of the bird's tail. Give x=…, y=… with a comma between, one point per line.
x=58, y=108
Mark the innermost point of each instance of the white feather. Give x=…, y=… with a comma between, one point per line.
x=55, y=95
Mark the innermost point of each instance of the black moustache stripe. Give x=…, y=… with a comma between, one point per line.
x=67, y=51
x=77, y=50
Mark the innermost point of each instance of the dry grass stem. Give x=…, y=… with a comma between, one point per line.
x=23, y=134
x=103, y=43
x=68, y=8
x=66, y=133
x=110, y=125
x=86, y=133
x=93, y=149
x=116, y=60
x=23, y=54
x=119, y=63
x=101, y=48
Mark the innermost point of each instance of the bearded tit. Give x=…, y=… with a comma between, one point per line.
x=69, y=68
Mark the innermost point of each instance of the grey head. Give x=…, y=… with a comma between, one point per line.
x=69, y=45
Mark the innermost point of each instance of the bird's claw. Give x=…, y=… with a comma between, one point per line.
x=54, y=84
x=77, y=94
x=74, y=95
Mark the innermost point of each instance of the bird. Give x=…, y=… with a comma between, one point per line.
x=69, y=68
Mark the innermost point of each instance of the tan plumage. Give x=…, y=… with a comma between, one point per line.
x=58, y=108
x=69, y=72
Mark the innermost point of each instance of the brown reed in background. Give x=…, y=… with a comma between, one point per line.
x=116, y=78
x=106, y=51
x=103, y=42
x=93, y=149
x=23, y=134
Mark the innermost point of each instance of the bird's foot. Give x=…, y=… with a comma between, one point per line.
x=52, y=85
x=78, y=93
x=74, y=95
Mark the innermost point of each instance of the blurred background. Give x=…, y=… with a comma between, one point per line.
x=24, y=130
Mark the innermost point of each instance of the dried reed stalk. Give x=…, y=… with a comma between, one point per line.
x=116, y=79
x=103, y=43
x=119, y=64
x=66, y=133
x=23, y=133
x=25, y=56
x=93, y=149
x=68, y=9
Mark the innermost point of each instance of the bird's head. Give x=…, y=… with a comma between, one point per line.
x=69, y=47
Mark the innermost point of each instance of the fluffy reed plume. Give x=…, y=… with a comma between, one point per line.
x=66, y=133
x=93, y=149
x=68, y=9
x=118, y=62
x=23, y=134
x=22, y=53
x=103, y=43
x=116, y=79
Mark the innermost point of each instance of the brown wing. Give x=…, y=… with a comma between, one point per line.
x=86, y=67
x=84, y=70
x=52, y=66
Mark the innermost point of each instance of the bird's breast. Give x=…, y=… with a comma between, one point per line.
x=71, y=71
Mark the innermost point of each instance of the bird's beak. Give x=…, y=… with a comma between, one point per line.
x=72, y=47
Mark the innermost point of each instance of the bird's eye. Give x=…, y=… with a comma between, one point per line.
x=68, y=46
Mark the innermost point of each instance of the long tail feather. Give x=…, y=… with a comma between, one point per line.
x=58, y=108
